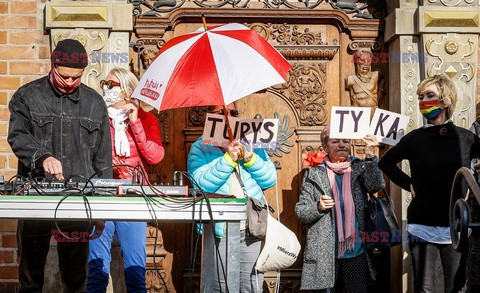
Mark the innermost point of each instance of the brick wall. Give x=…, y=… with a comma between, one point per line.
x=24, y=56
x=8, y=256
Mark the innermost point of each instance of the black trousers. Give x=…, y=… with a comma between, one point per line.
x=351, y=275
x=424, y=255
x=33, y=239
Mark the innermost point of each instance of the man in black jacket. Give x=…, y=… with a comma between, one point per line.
x=58, y=127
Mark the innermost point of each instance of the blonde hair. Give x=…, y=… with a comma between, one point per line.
x=126, y=78
x=446, y=89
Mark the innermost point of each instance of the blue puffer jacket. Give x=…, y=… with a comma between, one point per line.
x=212, y=169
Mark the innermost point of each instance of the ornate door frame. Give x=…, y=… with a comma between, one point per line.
x=318, y=41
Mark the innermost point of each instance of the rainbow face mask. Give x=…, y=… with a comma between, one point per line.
x=430, y=109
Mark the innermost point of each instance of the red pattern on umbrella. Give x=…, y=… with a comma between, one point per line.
x=212, y=67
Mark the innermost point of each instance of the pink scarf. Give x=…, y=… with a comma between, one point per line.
x=345, y=233
x=59, y=82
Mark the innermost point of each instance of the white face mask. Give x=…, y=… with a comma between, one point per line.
x=112, y=96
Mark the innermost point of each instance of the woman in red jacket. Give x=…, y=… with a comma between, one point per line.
x=135, y=142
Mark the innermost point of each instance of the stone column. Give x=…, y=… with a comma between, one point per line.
x=436, y=37
x=102, y=27
x=449, y=33
x=404, y=75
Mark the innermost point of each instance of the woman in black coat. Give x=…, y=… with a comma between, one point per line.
x=435, y=152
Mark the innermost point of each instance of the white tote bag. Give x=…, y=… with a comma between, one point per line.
x=281, y=247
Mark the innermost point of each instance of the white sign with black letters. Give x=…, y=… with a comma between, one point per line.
x=389, y=127
x=354, y=123
x=349, y=122
x=256, y=133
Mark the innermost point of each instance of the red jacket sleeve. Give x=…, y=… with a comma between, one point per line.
x=146, y=133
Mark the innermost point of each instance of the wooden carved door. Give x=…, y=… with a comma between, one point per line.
x=319, y=47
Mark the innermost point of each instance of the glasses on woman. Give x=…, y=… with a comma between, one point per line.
x=232, y=112
x=109, y=83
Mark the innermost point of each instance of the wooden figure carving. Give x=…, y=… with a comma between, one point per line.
x=147, y=56
x=366, y=86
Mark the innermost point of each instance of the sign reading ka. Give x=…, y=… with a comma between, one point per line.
x=252, y=133
x=388, y=127
x=353, y=122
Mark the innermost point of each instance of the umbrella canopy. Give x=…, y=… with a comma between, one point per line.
x=211, y=67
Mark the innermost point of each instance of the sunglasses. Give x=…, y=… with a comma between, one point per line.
x=232, y=112
x=109, y=83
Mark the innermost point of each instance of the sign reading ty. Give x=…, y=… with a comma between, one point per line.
x=354, y=123
x=349, y=122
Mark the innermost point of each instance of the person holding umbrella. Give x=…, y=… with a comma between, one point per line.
x=225, y=171
x=136, y=141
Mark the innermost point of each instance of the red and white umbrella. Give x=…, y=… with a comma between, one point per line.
x=211, y=67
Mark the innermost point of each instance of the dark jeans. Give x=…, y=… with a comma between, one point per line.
x=423, y=260
x=33, y=245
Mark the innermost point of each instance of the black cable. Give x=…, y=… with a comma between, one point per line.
x=165, y=197
x=140, y=177
x=155, y=252
x=22, y=188
x=35, y=183
x=149, y=201
x=88, y=211
x=194, y=228
x=103, y=169
x=15, y=176
x=212, y=221
x=154, y=214
x=141, y=180
x=193, y=250
x=6, y=185
x=89, y=179
x=209, y=209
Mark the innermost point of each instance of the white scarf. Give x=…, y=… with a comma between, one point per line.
x=122, y=146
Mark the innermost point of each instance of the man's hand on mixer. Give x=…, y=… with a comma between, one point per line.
x=54, y=167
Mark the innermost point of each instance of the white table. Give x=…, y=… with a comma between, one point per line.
x=232, y=211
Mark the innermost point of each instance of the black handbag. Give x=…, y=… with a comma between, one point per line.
x=257, y=212
x=381, y=226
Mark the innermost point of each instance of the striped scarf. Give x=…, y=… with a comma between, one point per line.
x=345, y=233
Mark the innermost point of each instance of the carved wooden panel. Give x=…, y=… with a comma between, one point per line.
x=316, y=44
x=159, y=262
